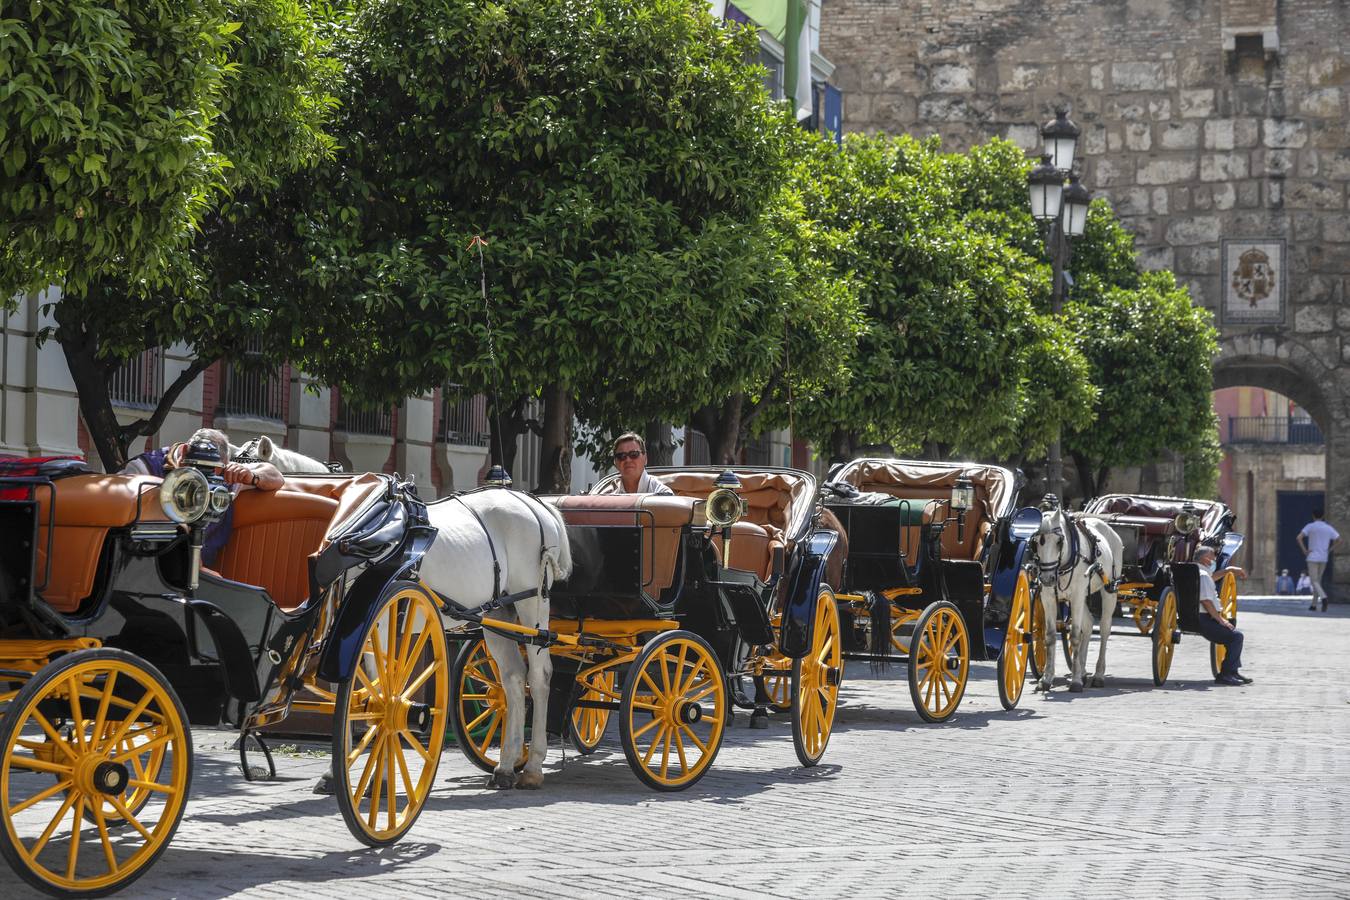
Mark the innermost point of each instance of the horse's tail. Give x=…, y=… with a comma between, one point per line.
x=556, y=561
x=879, y=633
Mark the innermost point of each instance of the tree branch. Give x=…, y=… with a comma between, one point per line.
x=145, y=427
x=757, y=407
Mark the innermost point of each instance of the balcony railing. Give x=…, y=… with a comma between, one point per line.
x=1272, y=430
x=464, y=419
x=139, y=382
x=364, y=420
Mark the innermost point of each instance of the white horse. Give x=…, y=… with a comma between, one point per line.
x=509, y=542
x=288, y=462
x=1077, y=555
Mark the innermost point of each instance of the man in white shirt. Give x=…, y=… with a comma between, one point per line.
x=1213, y=626
x=630, y=458
x=1316, y=541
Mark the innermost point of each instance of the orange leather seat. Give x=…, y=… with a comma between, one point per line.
x=273, y=534
x=87, y=506
x=662, y=519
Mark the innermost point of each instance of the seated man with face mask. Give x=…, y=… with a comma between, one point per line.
x=1213, y=626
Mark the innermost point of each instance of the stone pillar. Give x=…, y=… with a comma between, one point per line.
x=307, y=431
x=412, y=453
x=1338, y=500
x=39, y=411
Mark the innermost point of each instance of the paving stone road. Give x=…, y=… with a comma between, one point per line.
x=1191, y=790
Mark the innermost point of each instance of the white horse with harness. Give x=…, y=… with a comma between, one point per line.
x=1077, y=556
x=288, y=462
x=527, y=543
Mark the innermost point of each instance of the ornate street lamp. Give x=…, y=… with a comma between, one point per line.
x=1061, y=140
x=1064, y=213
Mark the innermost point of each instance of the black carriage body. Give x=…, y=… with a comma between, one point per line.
x=623, y=566
x=230, y=652
x=1158, y=553
x=898, y=541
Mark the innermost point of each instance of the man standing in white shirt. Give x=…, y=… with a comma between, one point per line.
x=1316, y=541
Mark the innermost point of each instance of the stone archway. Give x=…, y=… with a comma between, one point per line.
x=1279, y=362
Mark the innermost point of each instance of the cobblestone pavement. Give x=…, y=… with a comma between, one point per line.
x=1187, y=790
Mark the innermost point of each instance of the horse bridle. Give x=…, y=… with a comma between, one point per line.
x=1060, y=567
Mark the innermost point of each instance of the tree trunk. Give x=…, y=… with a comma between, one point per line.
x=555, y=456
x=91, y=387
x=506, y=422
x=723, y=428
x=1086, y=483
x=660, y=443
x=841, y=446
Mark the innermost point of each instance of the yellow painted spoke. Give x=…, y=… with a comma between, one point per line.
x=420, y=680
x=404, y=644
x=51, y=733
x=46, y=835
x=129, y=818
x=652, y=749
x=152, y=786
x=679, y=748
x=490, y=711
x=645, y=728
x=39, y=765
x=680, y=682
x=652, y=684
x=661, y=660
x=102, y=715
x=464, y=696
x=136, y=752
x=665, y=754
x=487, y=740
x=108, y=855
x=39, y=797
x=73, y=851
x=689, y=733
x=710, y=689
x=376, y=787
x=423, y=752
x=73, y=688
x=131, y=718
x=361, y=747
x=363, y=782
x=409, y=660
x=389, y=792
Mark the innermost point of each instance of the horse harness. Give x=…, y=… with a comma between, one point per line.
x=1062, y=567
x=499, y=598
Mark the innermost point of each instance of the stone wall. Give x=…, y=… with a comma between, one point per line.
x=1203, y=121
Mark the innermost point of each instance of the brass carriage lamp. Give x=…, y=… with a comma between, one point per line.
x=725, y=506
x=497, y=476
x=963, y=495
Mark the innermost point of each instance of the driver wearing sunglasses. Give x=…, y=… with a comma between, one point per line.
x=630, y=458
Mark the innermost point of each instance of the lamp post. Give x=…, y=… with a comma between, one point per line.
x=1063, y=212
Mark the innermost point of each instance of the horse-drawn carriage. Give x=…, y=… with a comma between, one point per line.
x=935, y=573
x=669, y=597
x=1160, y=590
x=114, y=639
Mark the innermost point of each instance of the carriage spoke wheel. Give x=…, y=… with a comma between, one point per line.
x=1012, y=659
x=1228, y=591
x=815, y=682
x=1143, y=615
x=1164, y=628
x=776, y=682
x=479, y=708
x=587, y=723
x=673, y=711
x=939, y=662
x=108, y=733
x=389, y=724
x=1040, y=643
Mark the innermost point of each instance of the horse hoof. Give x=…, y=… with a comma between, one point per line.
x=1075, y=688
x=501, y=781
x=1040, y=688
x=759, y=718
x=1098, y=681
x=529, y=781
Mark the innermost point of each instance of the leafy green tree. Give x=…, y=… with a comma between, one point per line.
x=955, y=353
x=1150, y=351
x=167, y=149
x=616, y=157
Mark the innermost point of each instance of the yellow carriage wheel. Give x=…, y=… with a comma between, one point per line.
x=1164, y=630
x=1012, y=659
x=588, y=723
x=673, y=710
x=478, y=712
x=1228, y=591
x=815, y=682
x=939, y=661
x=1040, y=641
x=96, y=772
x=1143, y=614
x=776, y=682
x=389, y=722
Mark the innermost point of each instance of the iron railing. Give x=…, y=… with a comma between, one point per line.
x=1272, y=430
x=247, y=389
x=759, y=452
x=696, y=449
x=139, y=382
x=464, y=419
x=355, y=419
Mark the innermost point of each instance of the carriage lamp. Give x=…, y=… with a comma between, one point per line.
x=1061, y=140
x=963, y=495
x=728, y=480
x=1045, y=185
x=497, y=476
x=725, y=507
x=1077, y=199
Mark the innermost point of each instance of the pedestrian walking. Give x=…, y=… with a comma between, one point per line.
x=1316, y=540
